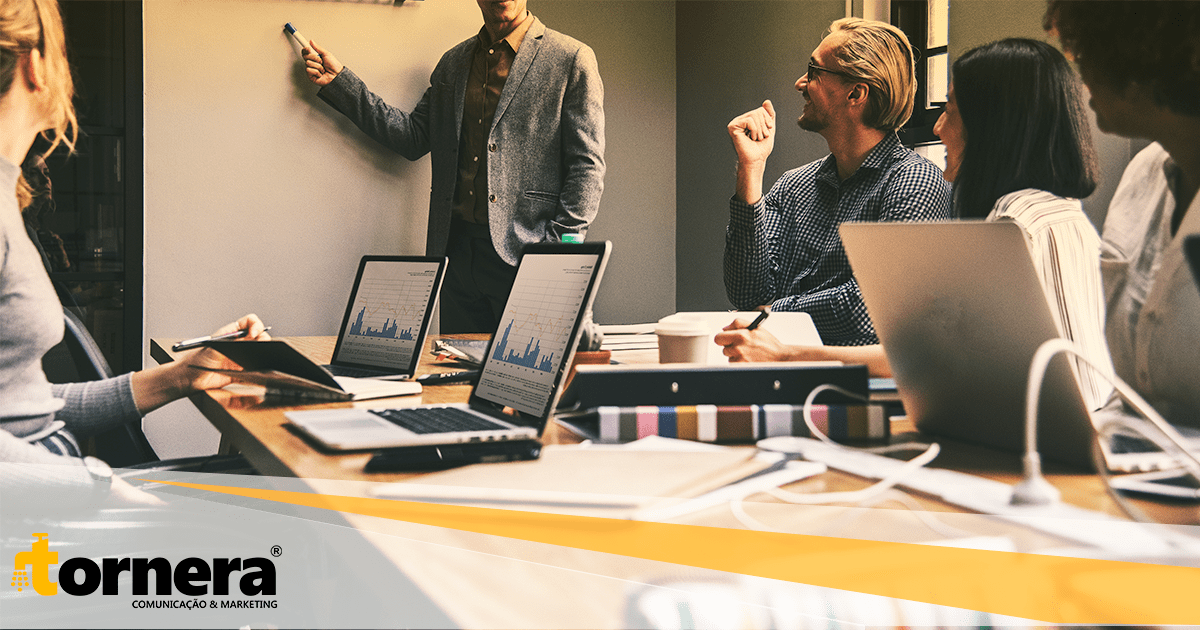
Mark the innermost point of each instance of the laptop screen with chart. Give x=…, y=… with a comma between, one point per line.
x=521, y=377
x=539, y=323
x=388, y=315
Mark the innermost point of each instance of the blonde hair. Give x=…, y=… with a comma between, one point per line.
x=25, y=26
x=879, y=55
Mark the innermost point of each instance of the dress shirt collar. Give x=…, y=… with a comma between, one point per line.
x=883, y=153
x=514, y=38
x=877, y=159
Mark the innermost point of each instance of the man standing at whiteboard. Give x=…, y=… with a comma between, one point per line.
x=514, y=120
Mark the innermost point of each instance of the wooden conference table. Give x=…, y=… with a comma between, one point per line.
x=259, y=430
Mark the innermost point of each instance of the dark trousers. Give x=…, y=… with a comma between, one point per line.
x=477, y=281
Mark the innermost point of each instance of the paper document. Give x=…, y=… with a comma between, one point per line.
x=567, y=479
x=790, y=328
x=627, y=329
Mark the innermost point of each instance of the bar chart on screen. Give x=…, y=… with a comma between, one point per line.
x=389, y=308
x=536, y=327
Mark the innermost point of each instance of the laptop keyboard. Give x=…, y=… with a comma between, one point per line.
x=437, y=420
x=338, y=370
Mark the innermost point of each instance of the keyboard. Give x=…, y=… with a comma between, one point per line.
x=437, y=420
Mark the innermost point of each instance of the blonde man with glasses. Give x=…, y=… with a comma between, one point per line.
x=782, y=249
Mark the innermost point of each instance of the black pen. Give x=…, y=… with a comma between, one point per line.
x=762, y=316
x=188, y=344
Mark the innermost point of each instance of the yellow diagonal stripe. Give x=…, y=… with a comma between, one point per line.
x=1046, y=588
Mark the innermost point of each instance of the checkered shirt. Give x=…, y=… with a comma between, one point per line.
x=785, y=250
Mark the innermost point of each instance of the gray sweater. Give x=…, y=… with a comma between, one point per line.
x=31, y=323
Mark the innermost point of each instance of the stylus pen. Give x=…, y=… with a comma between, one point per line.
x=188, y=344
x=762, y=316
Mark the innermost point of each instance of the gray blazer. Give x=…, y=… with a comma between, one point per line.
x=546, y=146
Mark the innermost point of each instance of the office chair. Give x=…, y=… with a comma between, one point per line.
x=78, y=358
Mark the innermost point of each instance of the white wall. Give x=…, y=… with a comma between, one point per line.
x=634, y=42
x=260, y=197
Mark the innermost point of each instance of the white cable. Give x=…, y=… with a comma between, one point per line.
x=937, y=526
x=808, y=403
x=1102, y=467
x=1032, y=490
x=865, y=494
x=940, y=528
x=812, y=425
x=1035, y=490
x=739, y=512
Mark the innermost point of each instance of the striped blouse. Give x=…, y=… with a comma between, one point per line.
x=1066, y=255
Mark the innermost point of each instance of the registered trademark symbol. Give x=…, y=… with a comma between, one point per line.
x=276, y=551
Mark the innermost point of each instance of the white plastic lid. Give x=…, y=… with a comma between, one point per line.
x=681, y=326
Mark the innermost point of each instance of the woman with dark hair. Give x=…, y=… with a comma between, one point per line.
x=1020, y=103
x=1017, y=149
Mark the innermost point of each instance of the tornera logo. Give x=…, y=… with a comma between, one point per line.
x=40, y=558
x=192, y=576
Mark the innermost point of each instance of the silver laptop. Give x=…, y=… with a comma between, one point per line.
x=388, y=316
x=960, y=313
x=522, y=374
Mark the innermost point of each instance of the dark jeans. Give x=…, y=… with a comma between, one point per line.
x=477, y=282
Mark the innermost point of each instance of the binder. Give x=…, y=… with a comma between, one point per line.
x=736, y=384
x=729, y=424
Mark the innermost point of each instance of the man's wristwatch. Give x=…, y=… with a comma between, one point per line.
x=101, y=473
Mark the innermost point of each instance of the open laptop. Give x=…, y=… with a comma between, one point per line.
x=960, y=313
x=388, y=316
x=522, y=374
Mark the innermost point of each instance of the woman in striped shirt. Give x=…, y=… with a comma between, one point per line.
x=1018, y=148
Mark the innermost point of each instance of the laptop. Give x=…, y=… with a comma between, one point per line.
x=960, y=312
x=387, y=317
x=522, y=374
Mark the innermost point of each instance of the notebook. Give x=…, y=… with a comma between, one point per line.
x=388, y=316
x=960, y=312
x=522, y=374
x=286, y=373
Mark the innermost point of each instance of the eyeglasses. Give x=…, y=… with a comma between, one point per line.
x=812, y=66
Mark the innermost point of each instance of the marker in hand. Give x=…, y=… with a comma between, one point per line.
x=300, y=39
x=188, y=344
x=766, y=312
